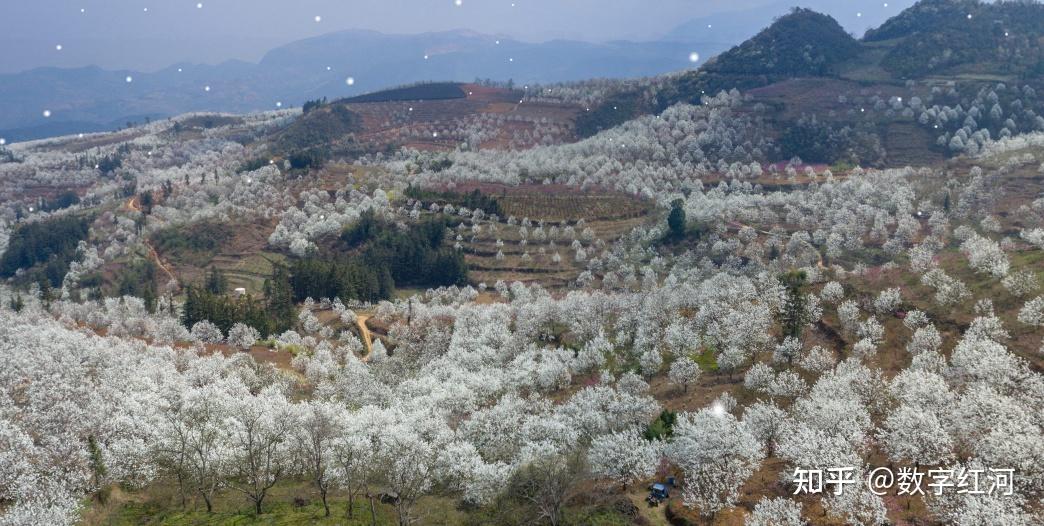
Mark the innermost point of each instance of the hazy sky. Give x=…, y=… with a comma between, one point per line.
x=151, y=34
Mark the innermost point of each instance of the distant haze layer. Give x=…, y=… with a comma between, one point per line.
x=147, y=36
x=100, y=66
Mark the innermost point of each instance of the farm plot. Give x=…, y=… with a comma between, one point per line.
x=240, y=255
x=545, y=236
x=484, y=118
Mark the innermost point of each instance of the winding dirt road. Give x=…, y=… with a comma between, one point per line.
x=132, y=204
x=360, y=320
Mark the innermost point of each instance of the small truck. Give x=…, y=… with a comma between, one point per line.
x=657, y=493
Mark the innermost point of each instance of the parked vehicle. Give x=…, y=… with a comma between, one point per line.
x=658, y=493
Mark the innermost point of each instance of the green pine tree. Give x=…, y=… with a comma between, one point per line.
x=676, y=220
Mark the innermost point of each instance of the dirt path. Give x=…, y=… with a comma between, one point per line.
x=133, y=205
x=654, y=516
x=360, y=320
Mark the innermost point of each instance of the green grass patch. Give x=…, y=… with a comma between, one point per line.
x=294, y=350
x=707, y=360
x=1032, y=260
x=195, y=244
x=159, y=505
x=276, y=514
x=597, y=517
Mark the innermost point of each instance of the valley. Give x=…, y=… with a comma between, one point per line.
x=471, y=303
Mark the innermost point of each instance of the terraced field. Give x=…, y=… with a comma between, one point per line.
x=246, y=270
x=609, y=216
x=910, y=145
x=242, y=258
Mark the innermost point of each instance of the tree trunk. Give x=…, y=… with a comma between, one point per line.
x=181, y=488
x=326, y=506
x=373, y=510
x=259, y=501
x=403, y=511
x=206, y=499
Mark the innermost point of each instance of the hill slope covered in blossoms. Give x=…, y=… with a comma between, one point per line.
x=463, y=309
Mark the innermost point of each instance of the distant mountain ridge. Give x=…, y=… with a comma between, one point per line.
x=737, y=26
x=93, y=99
x=949, y=39
x=314, y=68
x=799, y=44
x=946, y=40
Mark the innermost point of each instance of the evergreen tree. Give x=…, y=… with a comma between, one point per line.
x=792, y=313
x=146, y=202
x=676, y=220
x=216, y=282
x=279, y=296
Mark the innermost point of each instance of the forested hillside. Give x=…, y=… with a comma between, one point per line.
x=965, y=37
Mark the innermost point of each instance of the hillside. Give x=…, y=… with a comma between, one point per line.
x=800, y=43
x=960, y=40
x=431, y=91
x=857, y=16
x=789, y=294
x=426, y=116
x=964, y=37
x=878, y=99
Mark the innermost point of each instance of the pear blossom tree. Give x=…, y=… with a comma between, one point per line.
x=624, y=456
x=717, y=454
x=316, y=426
x=684, y=372
x=242, y=336
x=776, y=512
x=259, y=450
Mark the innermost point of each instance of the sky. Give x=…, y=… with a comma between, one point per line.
x=148, y=35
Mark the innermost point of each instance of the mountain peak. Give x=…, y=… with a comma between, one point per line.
x=800, y=43
x=964, y=37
